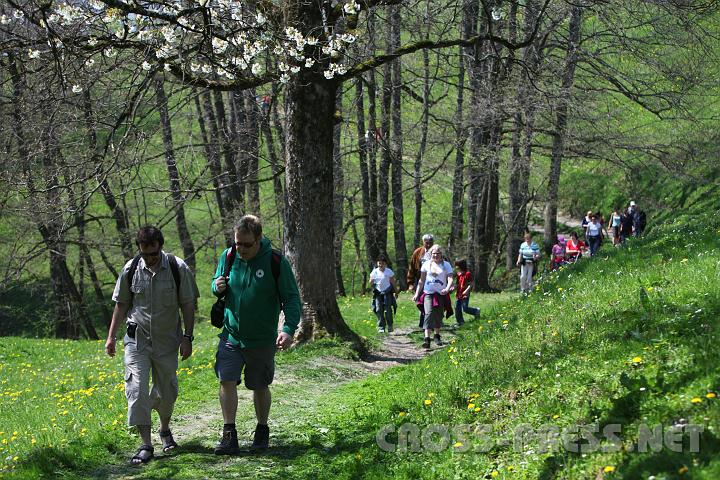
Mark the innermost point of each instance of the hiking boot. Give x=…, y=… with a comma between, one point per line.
x=390, y=328
x=228, y=444
x=426, y=343
x=437, y=339
x=261, y=438
x=381, y=330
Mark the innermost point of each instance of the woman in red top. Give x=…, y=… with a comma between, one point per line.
x=465, y=286
x=574, y=248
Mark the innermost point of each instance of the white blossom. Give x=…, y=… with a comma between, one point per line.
x=284, y=78
x=92, y=41
x=17, y=14
x=206, y=69
x=283, y=67
x=351, y=7
x=219, y=45
x=4, y=20
x=278, y=50
x=77, y=89
x=309, y=62
x=260, y=19
x=109, y=52
x=146, y=65
x=294, y=69
x=256, y=69
x=348, y=38
x=311, y=40
x=329, y=74
x=497, y=14
x=33, y=53
x=90, y=62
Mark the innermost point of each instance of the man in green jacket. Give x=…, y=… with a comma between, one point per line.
x=250, y=337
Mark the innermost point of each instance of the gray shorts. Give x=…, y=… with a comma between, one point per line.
x=258, y=363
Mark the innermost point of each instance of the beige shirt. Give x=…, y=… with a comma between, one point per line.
x=156, y=302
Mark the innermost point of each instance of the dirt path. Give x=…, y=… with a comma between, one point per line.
x=296, y=388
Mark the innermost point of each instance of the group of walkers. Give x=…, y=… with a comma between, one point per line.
x=621, y=225
x=256, y=283
x=431, y=279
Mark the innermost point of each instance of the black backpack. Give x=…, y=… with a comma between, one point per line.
x=217, y=313
x=173, y=268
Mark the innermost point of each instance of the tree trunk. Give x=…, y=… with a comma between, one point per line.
x=228, y=144
x=385, y=159
x=456, y=220
x=558, y=147
x=396, y=155
x=368, y=202
x=338, y=193
x=275, y=166
x=174, y=175
x=309, y=228
x=252, y=152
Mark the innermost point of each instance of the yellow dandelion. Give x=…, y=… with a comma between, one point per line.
x=556, y=416
x=683, y=470
x=609, y=469
x=637, y=360
x=471, y=406
x=696, y=400
x=427, y=401
x=494, y=473
x=457, y=445
x=711, y=395
x=477, y=409
x=401, y=414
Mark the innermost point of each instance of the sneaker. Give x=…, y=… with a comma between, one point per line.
x=381, y=330
x=390, y=328
x=461, y=323
x=426, y=343
x=228, y=444
x=437, y=339
x=261, y=438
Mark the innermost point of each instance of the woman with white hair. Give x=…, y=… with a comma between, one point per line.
x=436, y=282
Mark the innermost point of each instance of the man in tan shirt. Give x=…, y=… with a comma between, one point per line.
x=419, y=256
x=148, y=293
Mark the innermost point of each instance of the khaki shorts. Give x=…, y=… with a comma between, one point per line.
x=258, y=364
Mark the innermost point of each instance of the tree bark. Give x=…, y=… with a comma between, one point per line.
x=173, y=175
x=396, y=155
x=252, y=151
x=309, y=228
x=558, y=147
x=338, y=194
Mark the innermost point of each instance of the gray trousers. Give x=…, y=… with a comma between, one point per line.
x=139, y=364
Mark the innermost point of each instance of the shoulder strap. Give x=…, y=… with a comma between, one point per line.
x=175, y=272
x=131, y=274
x=229, y=259
x=275, y=267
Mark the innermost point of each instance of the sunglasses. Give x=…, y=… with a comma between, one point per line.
x=244, y=244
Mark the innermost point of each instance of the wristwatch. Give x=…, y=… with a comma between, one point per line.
x=189, y=337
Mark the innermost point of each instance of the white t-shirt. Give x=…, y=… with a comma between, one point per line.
x=594, y=229
x=437, y=275
x=381, y=279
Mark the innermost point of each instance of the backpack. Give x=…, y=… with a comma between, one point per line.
x=173, y=268
x=217, y=313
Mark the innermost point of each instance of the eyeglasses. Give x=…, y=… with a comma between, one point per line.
x=150, y=254
x=244, y=244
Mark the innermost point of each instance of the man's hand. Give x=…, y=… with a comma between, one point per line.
x=220, y=284
x=284, y=340
x=185, y=348
x=110, y=346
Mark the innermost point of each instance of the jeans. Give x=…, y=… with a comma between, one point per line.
x=461, y=305
x=384, y=315
x=594, y=242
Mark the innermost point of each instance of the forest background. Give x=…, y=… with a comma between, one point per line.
x=351, y=128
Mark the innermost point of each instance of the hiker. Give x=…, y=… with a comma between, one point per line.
x=594, y=234
x=584, y=223
x=626, y=226
x=558, y=253
x=638, y=219
x=254, y=296
x=417, y=260
x=462, y=292
x=615, y=219
x=436, y=282
x=148, y=293
x=528, y=255
x=574, y=248
x=385, y=289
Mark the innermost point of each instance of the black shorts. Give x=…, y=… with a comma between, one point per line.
x=258, y=365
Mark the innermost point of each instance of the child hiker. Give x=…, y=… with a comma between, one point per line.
x=462, y=294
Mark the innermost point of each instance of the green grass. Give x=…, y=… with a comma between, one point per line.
x=628, y=338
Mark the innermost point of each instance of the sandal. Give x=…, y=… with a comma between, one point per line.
x=139, y=458
x=168, y=442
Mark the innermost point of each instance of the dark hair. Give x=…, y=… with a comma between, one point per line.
x=249, y=224
x=461, y=263
x=149, y=234
x=382, y=258
x=574, y=234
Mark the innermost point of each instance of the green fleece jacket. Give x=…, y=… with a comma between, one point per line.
x=252, y=306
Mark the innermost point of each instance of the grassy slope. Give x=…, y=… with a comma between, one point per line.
x=628, y=338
